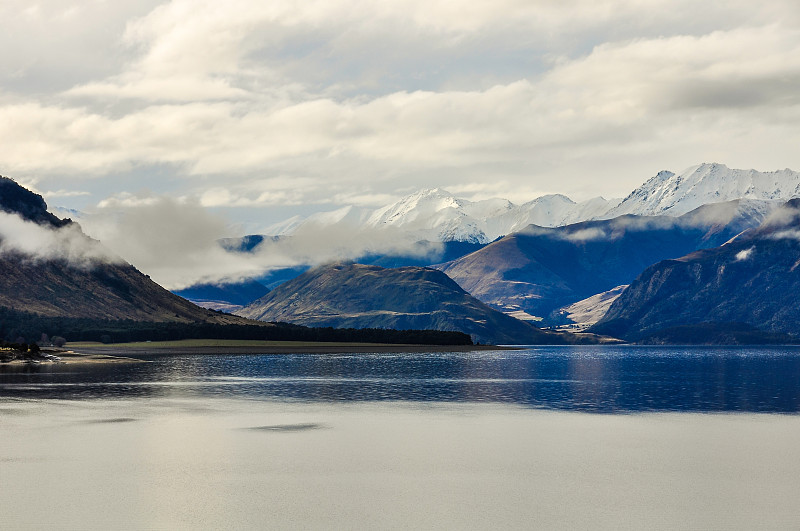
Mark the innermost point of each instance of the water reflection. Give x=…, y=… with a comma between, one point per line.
x=602, y=379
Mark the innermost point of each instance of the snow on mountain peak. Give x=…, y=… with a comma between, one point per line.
x=435, y=214
x=676, y=194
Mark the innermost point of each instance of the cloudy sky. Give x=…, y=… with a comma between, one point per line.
x=255, y=111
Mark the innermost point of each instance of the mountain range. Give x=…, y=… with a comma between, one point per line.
x=748, y=284
x=538, y=270
x=437, y=215
x=674, y=195
x=54, y=280
x=349, y=295
x=709, y=255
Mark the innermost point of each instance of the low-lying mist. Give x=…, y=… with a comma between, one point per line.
x=177, y=243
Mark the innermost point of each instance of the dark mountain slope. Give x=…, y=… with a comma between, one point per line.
x=753, y=280
x=361, y=296
x=56, y=288
x=540, y=269
x=86, y=287
x=15, y=199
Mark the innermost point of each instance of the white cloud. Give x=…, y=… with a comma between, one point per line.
x=744, y=254
x=263, y=104
x=65, y=193
x=176, y=242
x=38, y=242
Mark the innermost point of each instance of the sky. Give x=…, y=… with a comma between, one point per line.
x=248, y=112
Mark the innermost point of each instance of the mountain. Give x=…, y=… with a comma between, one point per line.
x=579, y=316
x=348, y=295
x=224, y=296
x=229, y=296
x=674, y=195
x=749, y=284
x=538, y=270
x=437, y=215
x=15, y=199
x=48, y=267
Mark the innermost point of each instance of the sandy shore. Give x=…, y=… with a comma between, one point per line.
x=72, y=358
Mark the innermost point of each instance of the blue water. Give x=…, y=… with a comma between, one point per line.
x=608, y=379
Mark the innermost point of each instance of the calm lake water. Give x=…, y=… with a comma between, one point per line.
x=550, y=438
x=592, y=379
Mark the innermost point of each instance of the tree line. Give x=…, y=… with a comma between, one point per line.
x=15, y=325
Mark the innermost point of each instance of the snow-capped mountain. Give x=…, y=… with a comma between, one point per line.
x=674, y=195
x=438, y=215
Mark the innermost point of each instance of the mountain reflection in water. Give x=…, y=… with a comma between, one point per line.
x=608, y=379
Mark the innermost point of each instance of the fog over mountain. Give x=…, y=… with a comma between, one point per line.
x=177, y=241
x=50, y=268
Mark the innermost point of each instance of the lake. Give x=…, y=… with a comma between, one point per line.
x=549, y=437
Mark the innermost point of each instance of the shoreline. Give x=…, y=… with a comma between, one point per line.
x=245, y=347
x=69, y=357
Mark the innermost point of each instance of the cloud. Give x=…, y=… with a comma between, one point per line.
x=355, y=101
x=176, y=242
x=589, y=234
x=126, y=200
x=65, y=193
x=785, y=215
x=793, y=234
x=744, y=254
x=38, y=242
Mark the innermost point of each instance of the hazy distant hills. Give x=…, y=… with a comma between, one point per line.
x=55, y=277
x=538, y=270
x=359, y=296
x=753, y=280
